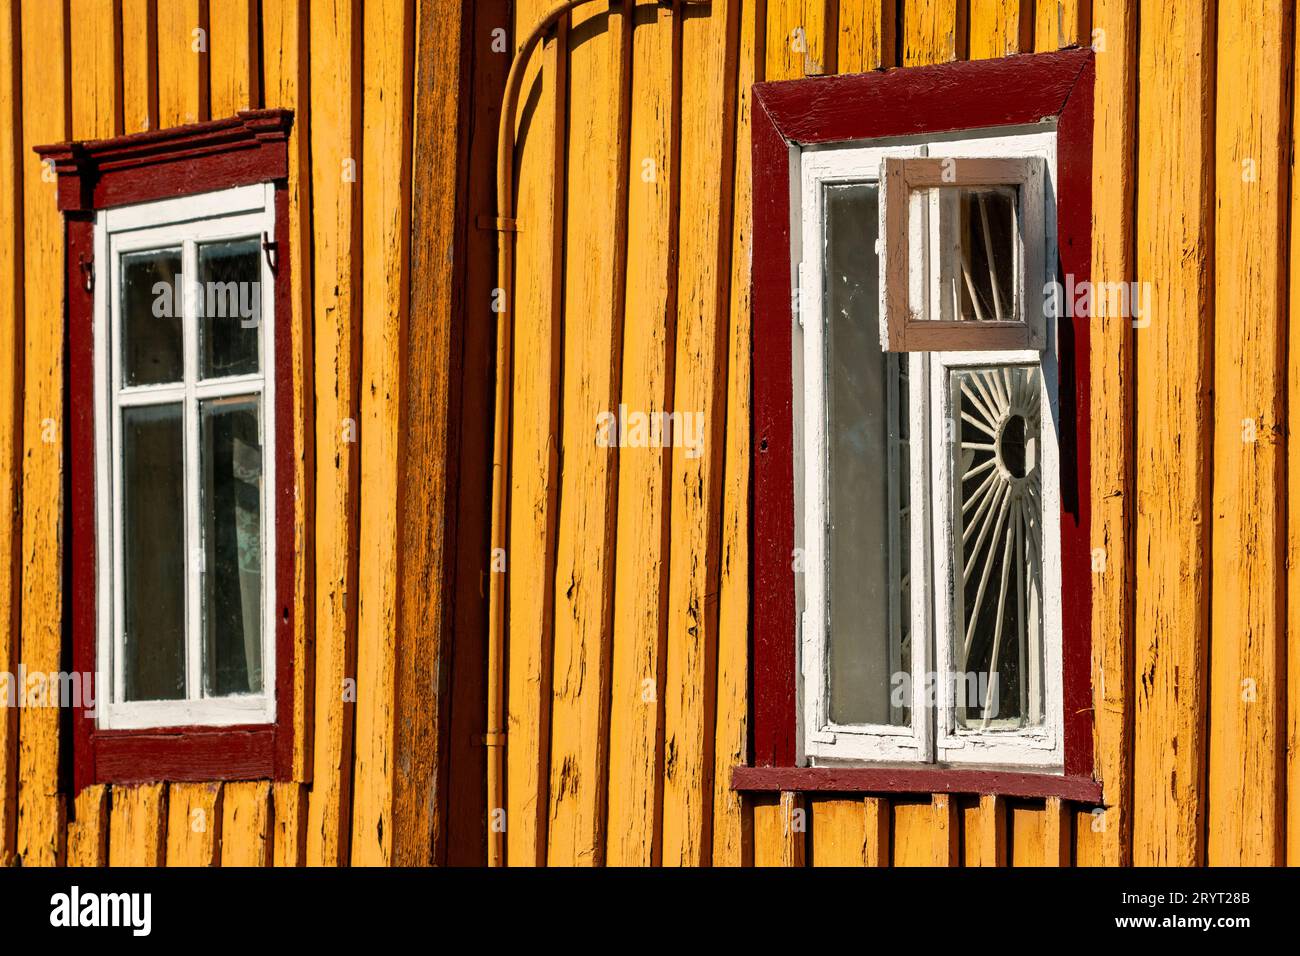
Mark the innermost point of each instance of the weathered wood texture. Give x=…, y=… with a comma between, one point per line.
x=91, y=69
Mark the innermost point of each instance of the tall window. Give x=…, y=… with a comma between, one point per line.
x=184, y=350
x=928, y=499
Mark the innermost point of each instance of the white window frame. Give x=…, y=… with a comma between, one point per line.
x=240, y=213
x=933, y=738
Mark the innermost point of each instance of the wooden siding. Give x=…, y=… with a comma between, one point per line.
x=371, y=751
x=1191, y=622
x=628, y=569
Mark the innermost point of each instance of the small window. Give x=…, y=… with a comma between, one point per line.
x=927, y=503
x=185, y=339
x=962, y=244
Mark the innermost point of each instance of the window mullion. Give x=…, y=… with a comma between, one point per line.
x=193, y=534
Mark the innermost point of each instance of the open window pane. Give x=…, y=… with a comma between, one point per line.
x=153, y=539
x=968, y=254
x=152, y=348
x=230, y=307
x=866, y=407
x=231, y=498
x=997, y=649
x=962, y=262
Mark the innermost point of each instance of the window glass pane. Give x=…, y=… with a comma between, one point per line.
x=152, y=352
x=153, y=532
x=231, y=307
x=866, y=402
x=967, y=239
x=997, y=644
x=231, y=480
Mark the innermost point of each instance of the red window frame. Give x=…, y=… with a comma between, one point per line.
x=1011, y=91
x=247, y=149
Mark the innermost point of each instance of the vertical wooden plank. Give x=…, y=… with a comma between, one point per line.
x=139, y=65
x=96, y=79
x=1025, y=833
x=246, y=826
x=483, y=86
x=45, y=119
x=336, y=170
x=780, y=830
x=425, y=672
x=934, y=31
x=703, y=308
x=182, y=62
x=386, y=219
x=1060, y=23
x=1174, y=242
x=284, y=47
x=839, y=832
x=600, y=45
x=88, y=830
x=991, y=835
x=1057, y=835
x=289, y=812
x=1292, y=783
x=644, y=523
x=194, y=820
x=11, y=407
x=945, y=830
x=534, y=455
x=1001, y=28
x=1247, y=698
x=878, y=831
x=137, y=829
x=234, y=52
x=1112, y=427
x=866, y=36
x=914, y=832
x=732, y=818
x=1092, y=843
x=797, y=43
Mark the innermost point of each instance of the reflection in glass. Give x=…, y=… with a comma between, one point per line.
x=997, y=638
x=867, y=495
x=153, y=550
x=231, y=508
x=230, y=306
x=152, y=350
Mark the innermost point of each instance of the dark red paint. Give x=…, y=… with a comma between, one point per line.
x=1079, y=789
x=1010, y=91
x=250, y=148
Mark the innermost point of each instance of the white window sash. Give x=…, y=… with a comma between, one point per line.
x=823, y=739
x=932, y=737
x=243, y=212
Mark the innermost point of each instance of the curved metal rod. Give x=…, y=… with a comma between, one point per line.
x=495, y=737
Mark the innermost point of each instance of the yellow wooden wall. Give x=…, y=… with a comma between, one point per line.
x=628, y=594
x=86, y=69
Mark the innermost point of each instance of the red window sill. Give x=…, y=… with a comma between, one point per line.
x=1008, y=783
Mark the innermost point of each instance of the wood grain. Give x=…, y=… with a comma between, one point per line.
x=194, y=819
x=386, y=231
x=182, y=61
x=644, y=521
x=234, y=55
x=138, y=826
x=246, y=827
x=336, y=171
x=534, y=454
x=1112, y=431
x=1247, y=697
x=45, y=119
x=1174, y=236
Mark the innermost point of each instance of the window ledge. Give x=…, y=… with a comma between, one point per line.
x=1006, y=783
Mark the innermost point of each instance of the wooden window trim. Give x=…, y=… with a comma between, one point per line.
x=902, y=333
x=1010, y=91
x=248, y=149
